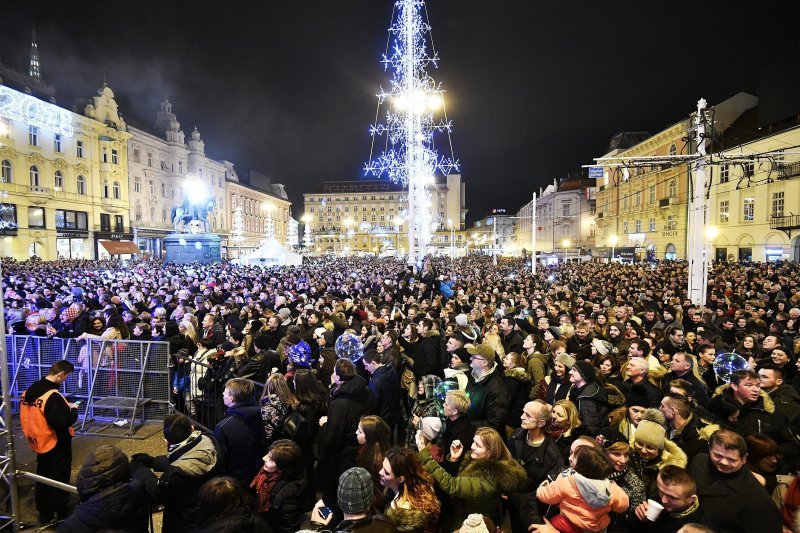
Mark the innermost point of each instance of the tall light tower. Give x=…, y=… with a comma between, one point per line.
x=409, y=156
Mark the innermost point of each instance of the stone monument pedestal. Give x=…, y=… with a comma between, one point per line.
x=185, y=248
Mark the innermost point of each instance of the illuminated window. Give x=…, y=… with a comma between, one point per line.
x=724, y=212
x=749, y=209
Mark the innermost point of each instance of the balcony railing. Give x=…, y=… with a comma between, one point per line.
x=785, y=223
x=788, y=170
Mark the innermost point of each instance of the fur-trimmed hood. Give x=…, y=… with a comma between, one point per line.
x=518, y=373
x=672, y=455
x=407, y=520
x=431, y=333
x=507, y=475
x=764, y=402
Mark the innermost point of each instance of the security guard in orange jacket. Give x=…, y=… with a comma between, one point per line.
x=47, y=419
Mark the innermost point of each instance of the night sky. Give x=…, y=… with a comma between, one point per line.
x=286, y=87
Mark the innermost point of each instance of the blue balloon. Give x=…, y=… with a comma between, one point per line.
x=727, y=363
x=349, y=346
x=440, y=394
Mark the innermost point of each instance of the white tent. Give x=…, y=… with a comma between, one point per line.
x=271, y=253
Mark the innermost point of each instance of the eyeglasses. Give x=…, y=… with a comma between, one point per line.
x=476, y=357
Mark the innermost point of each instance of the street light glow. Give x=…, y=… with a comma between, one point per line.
x=196, y=190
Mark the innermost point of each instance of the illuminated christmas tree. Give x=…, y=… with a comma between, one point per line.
x=411, y=122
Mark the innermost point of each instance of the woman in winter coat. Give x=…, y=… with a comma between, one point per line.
x=425, y=405
x=557, y=385
x=373, y=436
x=518, y=384
x=653, y=451
x=483, y=477
x=227, y=507
x=109, y=499
x=412, y=503
x=276, y=404
x=618, y=452
x=282, y=490
x=565, y=426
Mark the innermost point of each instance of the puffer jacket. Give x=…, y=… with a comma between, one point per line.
x=647, y=471
x=586, y=503
x=412, y=520
x=477, y=488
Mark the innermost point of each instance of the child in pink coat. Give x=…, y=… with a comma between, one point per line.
x=585, y=495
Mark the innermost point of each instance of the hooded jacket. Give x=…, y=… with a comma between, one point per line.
x=518, y=385
x=489, y=399
x=427, y=355
x=477, y=488
x=585, y=502
x=410, y=520
x=758, y=416
x=242, y=439
x=647, y=471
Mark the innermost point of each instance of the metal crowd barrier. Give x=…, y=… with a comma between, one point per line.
x=117, y=381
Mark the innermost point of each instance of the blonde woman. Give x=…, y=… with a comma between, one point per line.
x=277, y=403
x=565, y=426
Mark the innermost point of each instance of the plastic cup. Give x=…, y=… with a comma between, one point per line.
x=653, y=510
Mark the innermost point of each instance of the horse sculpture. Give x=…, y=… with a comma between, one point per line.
x=187, y=212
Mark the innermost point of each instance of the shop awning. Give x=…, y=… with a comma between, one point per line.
x=120, y=247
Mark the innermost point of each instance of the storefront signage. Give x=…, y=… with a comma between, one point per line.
x=774, y=251
x=673, y=233
x=34, y=112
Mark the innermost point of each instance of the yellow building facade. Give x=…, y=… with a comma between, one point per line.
x=754, y=201
x=642, y=208
x=64, y=177
x=253, y=214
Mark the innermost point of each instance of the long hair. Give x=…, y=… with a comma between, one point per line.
x=189, y=330
x=309, y=391
x=493, y=442
x=417, y=481
x=221, y=496
x=116, y=321
x=276, y=384
x=378, y=436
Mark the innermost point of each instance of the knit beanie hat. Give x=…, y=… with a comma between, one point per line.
x=565, y=359
x=355, y=491
x=619, y=325
x=462, y=354
x=474, y=524
x=461, y=320
x=586, y=370
x=70, y=313
x=650, y=430
x=636, y=396
x=431, y=427
x=609, y=436
x=261, y=342
x=602, y=347
x=555, y=331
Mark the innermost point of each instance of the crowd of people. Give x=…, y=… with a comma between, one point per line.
x=362, y=394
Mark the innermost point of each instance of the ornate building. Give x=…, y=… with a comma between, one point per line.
x=159, y=165
x=64, y=175
x=255, y=215
x=368, y=216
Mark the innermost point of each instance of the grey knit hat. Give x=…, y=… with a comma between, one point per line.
x=355, y=492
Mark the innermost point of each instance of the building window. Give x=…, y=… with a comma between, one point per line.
x=58, y=180
x=36, y=217
x=71, y=219
x=637, y=199
x=777, y=204
x=106, y=190
x=651, y=194
x=115, y=157
x=673, y=149
x=625, y=227
x=565, y=209
x=105, y=222
x=672, y=190
x=180, y=167
x=117, y=191
x=724, y=212
x=119, y=223
x=105, y=155
x=624, y=202
x=724, y=174
x=749, y=210
x=33, y=135
x=672, y=222
x=7, y=168
x=151, y=187
x=163, y=190
x=137, y=184
x=80, y=185
x=137, y=213
x=34, y=174
x=79, y=149
x=149, y=159
x=58, y=144
x=652, y=225
x=637, y=226
x=748, y=168
x=135, y=155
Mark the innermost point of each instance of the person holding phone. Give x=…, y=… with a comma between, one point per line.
x=355, y=495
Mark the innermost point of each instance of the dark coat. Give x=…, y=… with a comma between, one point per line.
x=460, y=429
x=241, y=437
x=77, y=327
x=289, y=500
x=240, y=520
x=488, y=400
x=427, y=355
x=592, y=403
x=385, y=385
x=700, y=389
x=734, y=502
x=787, y=401
x=513, y=342
x=554, y=392
x=122, y=507
x=518, y=385
x=540, y=463
x=652, y=392
x=693, y=436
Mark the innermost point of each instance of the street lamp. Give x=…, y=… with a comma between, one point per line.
x=613, y=242
x=565, y=244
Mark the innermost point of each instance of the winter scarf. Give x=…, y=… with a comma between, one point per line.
x=263, y=484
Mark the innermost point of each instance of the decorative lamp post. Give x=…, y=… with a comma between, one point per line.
x=565, y=244
x=613, y=242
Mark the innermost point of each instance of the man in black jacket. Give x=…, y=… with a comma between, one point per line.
x=731, y=498
x=241, y=433
x=46, y=418
x=486, y=389
x=337, y=446
x=428, y=354
x=192, y=459
x=512, y=339
x=385, y=385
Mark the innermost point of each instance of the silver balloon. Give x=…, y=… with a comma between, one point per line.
x=727, y=363
x=440, y=394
